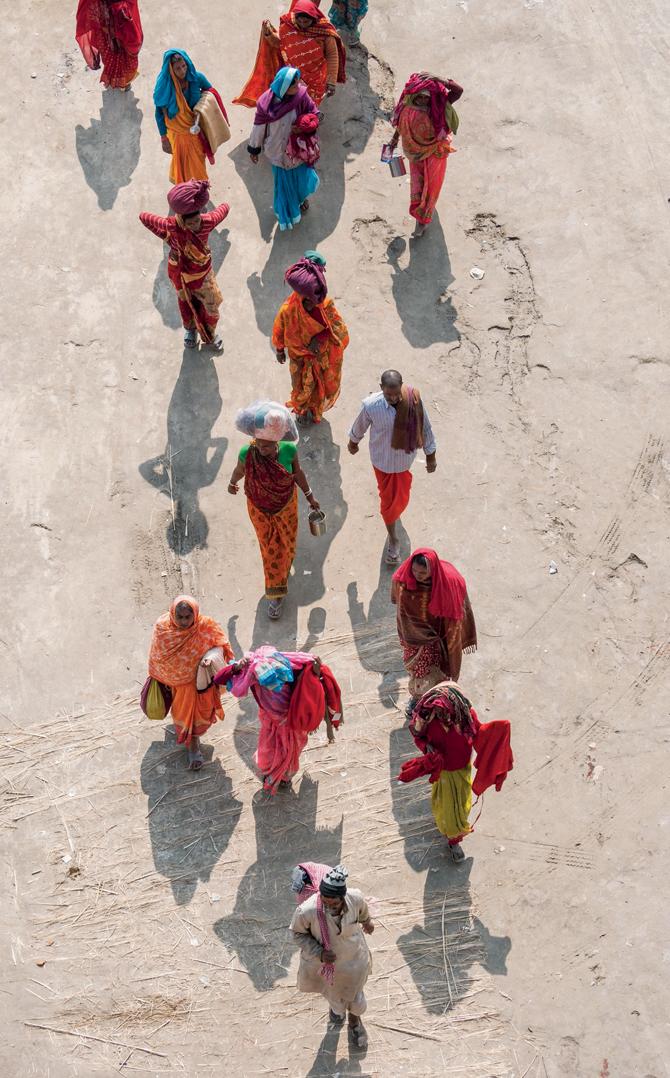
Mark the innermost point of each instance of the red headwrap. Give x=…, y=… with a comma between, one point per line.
x=448, y=587
x=423, y=83
x=190, y=197
x=306, y=7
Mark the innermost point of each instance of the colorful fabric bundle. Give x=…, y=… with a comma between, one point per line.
x=307, y=277
x=189, y=197
x=268, y=420
x=303, y=144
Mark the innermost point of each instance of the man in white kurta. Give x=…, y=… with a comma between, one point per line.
x=346, y=916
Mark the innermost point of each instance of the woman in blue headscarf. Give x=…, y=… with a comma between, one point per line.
x=277, y=112
x=178, y=88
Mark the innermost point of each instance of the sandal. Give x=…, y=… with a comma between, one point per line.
x=190, y=338
x=274, y=609
x=304, y=419
x=216, y=345
x=457, y=853
x=336, y=1019
x=392, y=557
x=304, y=206
x=359, y=1035
x=285, y=784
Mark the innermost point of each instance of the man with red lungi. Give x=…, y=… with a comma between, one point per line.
x=398, y=425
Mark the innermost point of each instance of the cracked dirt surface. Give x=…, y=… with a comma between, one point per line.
x=145, y=907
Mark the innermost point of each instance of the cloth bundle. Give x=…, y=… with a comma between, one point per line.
x=267, y=420
x=189, y=197
x=155, y=699
x=307, y=277
x=303, y=144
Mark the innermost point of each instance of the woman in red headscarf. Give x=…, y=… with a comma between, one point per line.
x=190, y=261
x=309, y=326
x=110, y=31
x=434, y=620
x=181, y=638
x=306, y=40
x=425, y=119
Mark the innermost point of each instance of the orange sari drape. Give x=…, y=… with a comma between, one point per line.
x=427, y=161
x=188, y=156
x=277, y=535
x=174, y=658
x=267, y=64
x=315, y=375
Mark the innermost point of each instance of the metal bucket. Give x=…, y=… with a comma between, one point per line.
x=317, y=522
x=397, y=166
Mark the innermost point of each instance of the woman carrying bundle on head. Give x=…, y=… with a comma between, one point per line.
x=425, y=119
x=305, y=39
x=445, y=727
x=110, y=32
x=310, y=328
x=178, y=90
x=347, y=14
x=434, y=620
x=190, y=260
x=180, y=642
x=278, y=112
x=295, y=693
x=271, y=471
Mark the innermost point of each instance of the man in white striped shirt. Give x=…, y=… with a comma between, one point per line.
x=398, y=425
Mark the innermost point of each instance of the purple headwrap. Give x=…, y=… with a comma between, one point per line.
x=190, y=197
x=307, y=277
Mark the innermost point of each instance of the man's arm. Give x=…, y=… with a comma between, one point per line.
x=429, y=444
x=358, y=429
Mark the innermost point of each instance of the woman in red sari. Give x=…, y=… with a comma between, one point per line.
x=425, y=119
x=271, y=471
x=434, y=620
x=110, y=31
x=190, y=261
x=306, y=40
x=309, y=325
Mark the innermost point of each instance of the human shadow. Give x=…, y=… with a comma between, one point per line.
x=421, y=289
x=192, y=457
x=109, y=148
x=164, y=296
x=320, y=460
x=326, y=1064
x=374, y=633
x=192, y=815
x=286, y=833
x=449, y=926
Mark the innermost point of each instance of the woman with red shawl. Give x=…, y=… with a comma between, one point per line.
x=190, y=260
x=306, y=40
x=110, y=31
x=180, y=642
x=295, y=693
x=434, y=619
x=309, y=325
x=271, y=471
x=446, y=729
x=425, y=119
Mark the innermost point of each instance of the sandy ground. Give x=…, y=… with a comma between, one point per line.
x=145, y=907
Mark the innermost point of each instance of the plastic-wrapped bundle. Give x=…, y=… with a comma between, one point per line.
x=268, y=420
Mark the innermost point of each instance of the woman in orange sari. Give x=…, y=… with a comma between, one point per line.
x=178, y=88
x=110, y=31
x=305, y=40
x=309, y=326
x=425, y=119
x=180, y=640
x=271, y=472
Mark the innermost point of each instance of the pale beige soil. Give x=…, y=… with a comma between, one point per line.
x=145, y=907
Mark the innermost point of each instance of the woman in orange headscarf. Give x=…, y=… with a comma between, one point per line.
x=180, y=640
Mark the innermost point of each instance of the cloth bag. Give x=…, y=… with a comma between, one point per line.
x=155, y=699
x=210, y=664
x=212, y=121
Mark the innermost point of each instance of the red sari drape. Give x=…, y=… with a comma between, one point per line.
x=110, y=31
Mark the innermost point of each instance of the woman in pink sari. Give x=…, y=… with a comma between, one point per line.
x=295, y=692
x=425, y=119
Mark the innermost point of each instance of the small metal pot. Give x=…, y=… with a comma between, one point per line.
x=317, y=522
x=397, y=166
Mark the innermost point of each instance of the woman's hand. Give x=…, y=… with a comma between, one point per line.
x=368, y=927
x=165, y=143
x=233, y=488
x=328, y=957
x=281, y=355
x=313, y=502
